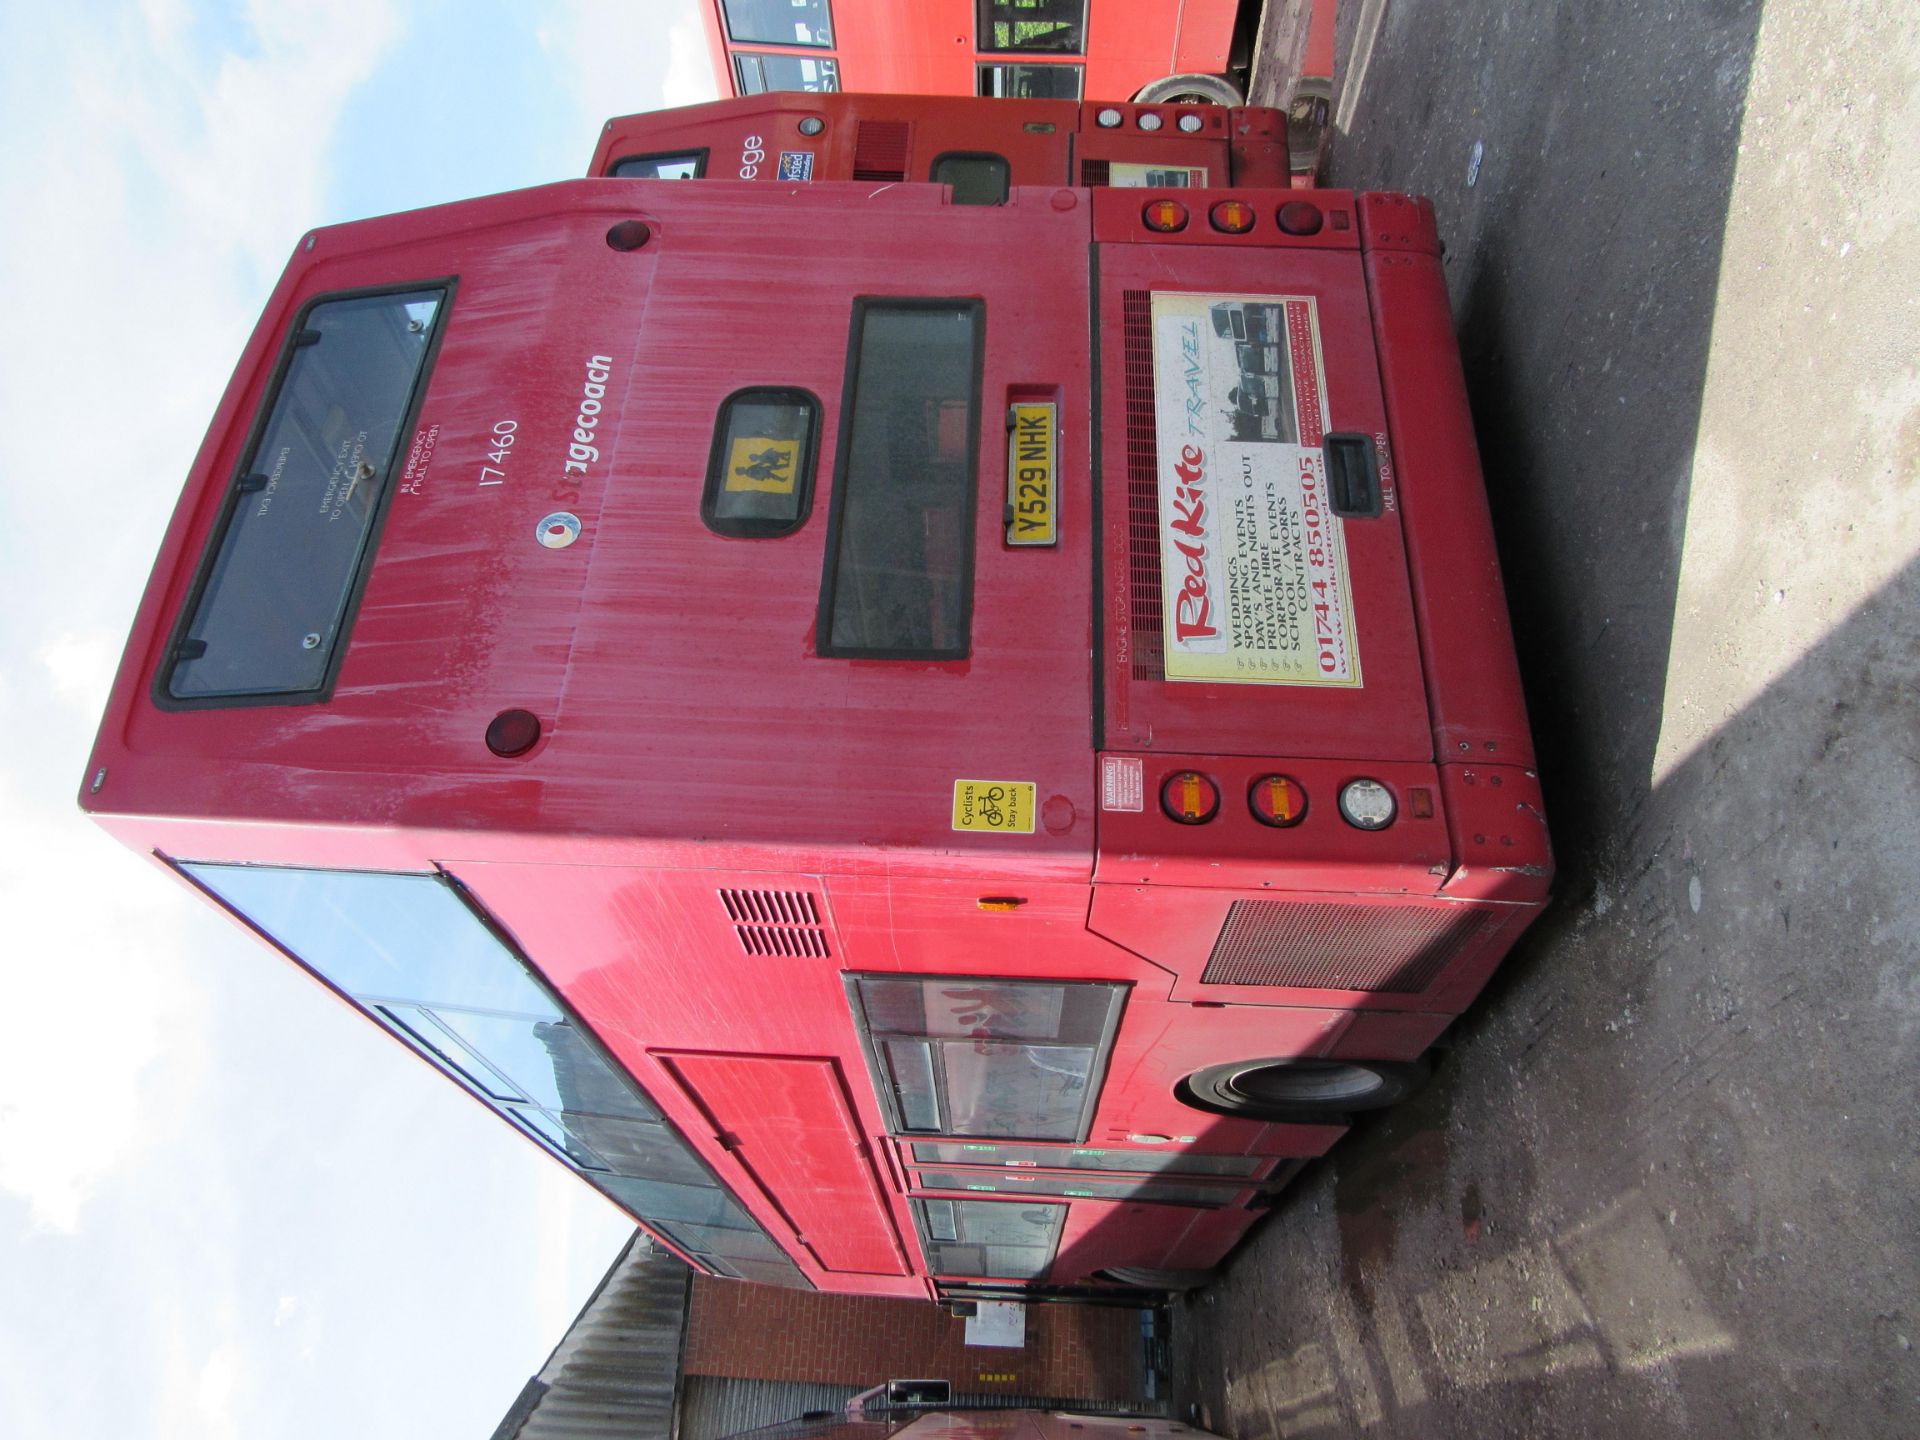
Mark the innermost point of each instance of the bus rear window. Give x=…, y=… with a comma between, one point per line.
x=681, y=165
x=269, y=612
x=977, y=177
x=899, y=563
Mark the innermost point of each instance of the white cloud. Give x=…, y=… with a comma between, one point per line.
x=143, y=226
x=689, y=78
x=626, y=58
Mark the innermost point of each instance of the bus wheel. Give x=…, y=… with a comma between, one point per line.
x=1174, y=1282
x=1190, y=90
x=1300, y=1089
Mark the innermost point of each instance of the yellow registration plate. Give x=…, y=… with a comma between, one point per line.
x=1033, y=501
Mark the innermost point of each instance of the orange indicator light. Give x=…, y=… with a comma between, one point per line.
x=1278, y=800
x=1235, y=217
x=1166, y=216
x=1189, y=797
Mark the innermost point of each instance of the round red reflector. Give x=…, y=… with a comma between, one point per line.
x=1297, y=217
x=1233, y=216
x=1166, y=216
x=629, y=235
x=1278, y=800
x=1189, y=797
x=513, y=732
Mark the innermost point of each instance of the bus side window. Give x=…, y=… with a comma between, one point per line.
x=1030, y=25
x=760, y=470
x=977, y=177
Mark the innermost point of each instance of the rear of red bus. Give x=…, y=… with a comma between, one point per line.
x=981, y=147
x=924, y=749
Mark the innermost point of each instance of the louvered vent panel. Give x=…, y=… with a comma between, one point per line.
x=880, y=150
x=1143, y=488
x=776, y=922
x=1093, y=172
x=1392, y=949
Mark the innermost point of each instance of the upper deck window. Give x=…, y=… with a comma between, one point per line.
x=757, y=73
x=779, y=22
x=991, y=1059
x=418, y=960
x=270, y=608
x=1056, y=26
x=1029, y=82
x=681, y=165
x=898, y=581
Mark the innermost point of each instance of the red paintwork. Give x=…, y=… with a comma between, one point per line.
x=692, y=739
x=1043, y=141
x=928, y=47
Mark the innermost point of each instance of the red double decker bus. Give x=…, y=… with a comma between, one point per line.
x=924, y=749
x=980, y=150
x=1155, y=51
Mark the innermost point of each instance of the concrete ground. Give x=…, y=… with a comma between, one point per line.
x=1664, y=1182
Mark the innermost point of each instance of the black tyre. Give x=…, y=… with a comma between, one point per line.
x=1301, y=1089
x=1190, y=90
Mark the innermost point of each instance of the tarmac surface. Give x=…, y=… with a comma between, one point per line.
x=1664, y=1181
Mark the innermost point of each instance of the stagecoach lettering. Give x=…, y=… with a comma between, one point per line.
x=583, y=448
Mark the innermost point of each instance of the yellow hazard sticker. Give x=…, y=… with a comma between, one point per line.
x=763, y=464
x=1003, y=805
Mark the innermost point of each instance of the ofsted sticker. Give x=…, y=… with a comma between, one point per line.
x=796, y=165
x=1003, y=805
x=1123, y=781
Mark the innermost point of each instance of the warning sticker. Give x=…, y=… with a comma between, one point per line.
x=763, y=463
x=1253, y=562
x=1123, y=783
x=1003, y=805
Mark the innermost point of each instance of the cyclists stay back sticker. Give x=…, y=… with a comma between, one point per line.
x=1003, y=805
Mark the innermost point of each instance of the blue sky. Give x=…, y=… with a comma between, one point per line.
x=229, y=1207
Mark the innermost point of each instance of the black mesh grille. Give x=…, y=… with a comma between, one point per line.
x=1143, y=489
x=1093, y=172
x=1395, y=949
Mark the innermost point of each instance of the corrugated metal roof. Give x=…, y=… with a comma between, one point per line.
x=615, y=1374
x=713, y=1406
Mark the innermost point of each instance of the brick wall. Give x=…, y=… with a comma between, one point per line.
x=759, y=1332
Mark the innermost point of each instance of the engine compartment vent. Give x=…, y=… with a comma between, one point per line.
x=776, y=922
x=880, y=150
x=1143, y=489
x=1386, y=949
